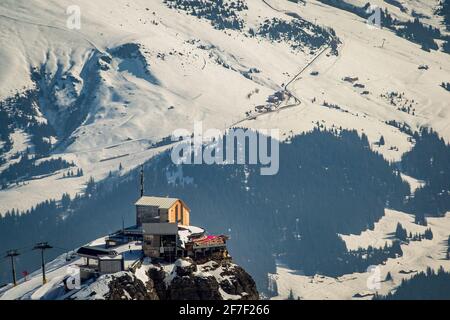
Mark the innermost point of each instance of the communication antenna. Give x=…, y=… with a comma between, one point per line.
x=142, y=181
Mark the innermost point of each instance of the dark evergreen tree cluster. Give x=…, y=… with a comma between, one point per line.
x=65, y=201
x=5, y=131
x=420, y=219
x=361, y=259
x=70, y=174
x=428, y=235
x=446, y=85
x=397, y=4
x=413, y=30
x=448, y=248
x=20, y=113
x=333, y=106
x=291, y=296
x=90, y=187
x=417, y=32
x=223, y=14
x=403, y=235
x=298, y=33
x=428, y=161
x=28, y=167
x=388, y=277
x=343, y=5
x=329, y=182
x=429, y=285
x=444, y=11
x=446, y=44
x=403, y=127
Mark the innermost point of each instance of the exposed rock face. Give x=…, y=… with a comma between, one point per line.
x=214, y=280
x=242, y=283
x=194, y=288
x=128, y=287
x=157, y=276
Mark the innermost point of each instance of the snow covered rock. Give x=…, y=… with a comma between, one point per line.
x=129, y=287
x=183, y=280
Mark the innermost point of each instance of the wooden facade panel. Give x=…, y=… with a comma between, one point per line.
x=179, y=213
x=186, y=217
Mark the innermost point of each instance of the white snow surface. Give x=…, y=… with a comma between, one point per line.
x=186, y=231
x=98, y=289
x=174, y=79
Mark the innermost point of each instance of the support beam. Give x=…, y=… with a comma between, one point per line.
x=43, y=246
x=12, y=254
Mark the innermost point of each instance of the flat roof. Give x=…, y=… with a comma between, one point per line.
x=111, y=258
x=164, y=203
x=95, y=251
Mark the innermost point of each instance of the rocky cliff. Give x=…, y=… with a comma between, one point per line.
x=183, y=280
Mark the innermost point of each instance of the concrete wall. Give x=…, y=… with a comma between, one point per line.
x=110, y=266
x=151, y=245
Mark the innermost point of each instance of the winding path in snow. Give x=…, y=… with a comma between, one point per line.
x=293, y=80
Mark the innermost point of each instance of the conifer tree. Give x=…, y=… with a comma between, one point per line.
x=388, y=276
x=291, y=295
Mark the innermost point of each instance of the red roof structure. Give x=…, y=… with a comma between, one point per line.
x=209, y=241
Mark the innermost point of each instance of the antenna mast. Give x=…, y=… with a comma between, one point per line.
x=142, y=181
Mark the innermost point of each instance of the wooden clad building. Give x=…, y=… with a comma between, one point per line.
x=159, y=219
x=167, y=234
x=161, y=210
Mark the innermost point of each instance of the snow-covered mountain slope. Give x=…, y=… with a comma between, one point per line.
x=417, y=257
x=136, y=71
